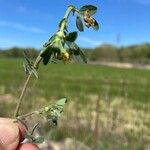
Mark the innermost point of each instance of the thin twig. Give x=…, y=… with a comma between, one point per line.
x=22, y=95
x=27, y=115
x=37, y=61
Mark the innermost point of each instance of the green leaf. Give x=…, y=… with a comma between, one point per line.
x=61, y=102
x=52, y=112
x=96, y=25
x=80, y=53
x=58, y=107
x=38, y=140
x=71, y=37
x=77, y=52
x=91, y=8
x=79, y=24
x=28, y=65
x=46, y=55
x=28, y=135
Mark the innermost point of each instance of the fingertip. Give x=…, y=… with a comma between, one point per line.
x=28, y=146
x=9, y=134
x=22, y=130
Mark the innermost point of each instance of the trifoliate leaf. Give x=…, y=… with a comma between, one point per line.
x=58, y=107
x=91, y=8
x=55, y=50
x=71, y=37
x=52, y=112
x=28, y=65
x=79, y=24
x=96, y=26
x=80, y=53
x=61, y=102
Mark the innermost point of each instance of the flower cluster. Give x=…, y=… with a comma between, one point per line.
x=88, y=11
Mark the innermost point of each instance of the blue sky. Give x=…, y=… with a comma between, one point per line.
x=30, y=23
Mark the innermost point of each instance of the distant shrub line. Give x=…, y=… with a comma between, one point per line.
x=106, y=52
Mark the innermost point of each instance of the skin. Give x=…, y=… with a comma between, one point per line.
x=11, y=136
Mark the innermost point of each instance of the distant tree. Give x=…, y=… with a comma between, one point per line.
x=105, y=52
x=17, y=52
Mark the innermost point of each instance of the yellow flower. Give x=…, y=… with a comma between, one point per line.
x=65, y=56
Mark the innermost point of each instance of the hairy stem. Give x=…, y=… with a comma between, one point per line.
x=22, y=95
x=68, y=11
x=27, y=115
x=37, y=61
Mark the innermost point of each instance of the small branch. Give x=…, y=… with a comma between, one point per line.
x=34, y=128
x=37, y=61
x=27, y=115
x=70, y=8
x=68, y=11
x=22, y=95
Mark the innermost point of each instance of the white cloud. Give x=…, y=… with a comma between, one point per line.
x=89, y=42
x=22, y=27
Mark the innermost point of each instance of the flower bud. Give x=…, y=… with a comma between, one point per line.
x=65, y=56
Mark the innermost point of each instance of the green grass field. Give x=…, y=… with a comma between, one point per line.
x=123, y=94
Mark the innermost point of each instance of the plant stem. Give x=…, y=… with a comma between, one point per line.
x=68, y=11
x=27, y=115
x=37, y=61
x=22, y=95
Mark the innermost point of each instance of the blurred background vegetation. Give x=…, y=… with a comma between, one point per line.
x=137, y=54
x=108, y=99
x=108, y=107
